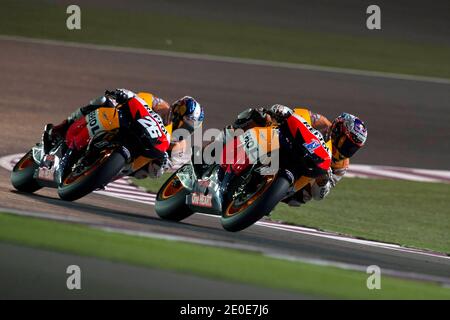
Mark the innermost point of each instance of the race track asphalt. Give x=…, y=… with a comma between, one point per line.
x=408, y=120
x=28, y=273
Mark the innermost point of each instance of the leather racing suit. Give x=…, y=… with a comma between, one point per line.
x=322, y=185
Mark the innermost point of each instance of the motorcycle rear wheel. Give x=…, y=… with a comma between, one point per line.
x=22, y=176
x=98, y=175
x=237, y=217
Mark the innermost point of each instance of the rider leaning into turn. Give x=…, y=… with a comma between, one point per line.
x=184, y=113
x=347, y=133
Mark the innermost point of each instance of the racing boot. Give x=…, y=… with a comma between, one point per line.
x=54, y=133
x=298, y=198
x=59, y=131
x=46, y=140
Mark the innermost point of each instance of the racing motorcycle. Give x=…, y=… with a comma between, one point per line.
x=112, y=141
x=248, y=187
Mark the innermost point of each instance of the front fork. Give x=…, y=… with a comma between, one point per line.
x=64, y=165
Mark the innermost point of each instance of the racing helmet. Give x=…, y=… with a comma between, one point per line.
x=187, y=114
x=348, y=135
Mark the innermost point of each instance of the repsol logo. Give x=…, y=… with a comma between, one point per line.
x=158, y=119
x=92, y=120
x=317, y=134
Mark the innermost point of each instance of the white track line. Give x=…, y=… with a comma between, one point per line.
x=122, y=182
x=214, y=58
x=409, y=174
x=129, y=190
x=124, y=185
x=434, y=174
x=133, y=197
x=320, y=234
x=441, y=173
x=120, y=196
x=338, y=237
x=226, y=244
x=354, y=267
x=146, y=198
x=400, y=176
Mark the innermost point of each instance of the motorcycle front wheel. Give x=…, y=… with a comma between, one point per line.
x=22, y=176
x=246, y=209
x=77, y=184
x=171, y=200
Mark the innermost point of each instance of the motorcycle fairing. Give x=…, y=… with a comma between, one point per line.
x=109, y=119
x=313, y=140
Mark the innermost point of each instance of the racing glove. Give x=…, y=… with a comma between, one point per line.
x=319, y=192
x=120, y=95
x=154, y=169
x=246, y=117
x=157, y=167
x=321, y=187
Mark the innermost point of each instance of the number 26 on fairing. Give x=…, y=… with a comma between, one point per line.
x=151, y=126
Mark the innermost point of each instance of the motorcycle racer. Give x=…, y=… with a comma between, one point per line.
x=347, y=133
x=242, y=175
x=185, y=113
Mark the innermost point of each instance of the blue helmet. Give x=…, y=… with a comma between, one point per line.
x=187, y=114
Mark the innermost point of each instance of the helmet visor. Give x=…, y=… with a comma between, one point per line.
x=188, y=123
x=347, y=147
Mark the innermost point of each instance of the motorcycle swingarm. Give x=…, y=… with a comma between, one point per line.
x=48, y=164
x=45, y=176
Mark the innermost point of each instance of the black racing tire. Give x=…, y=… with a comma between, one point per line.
x=22, y=176
x=106, y=170
x=172, y=206
x=260, y=207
